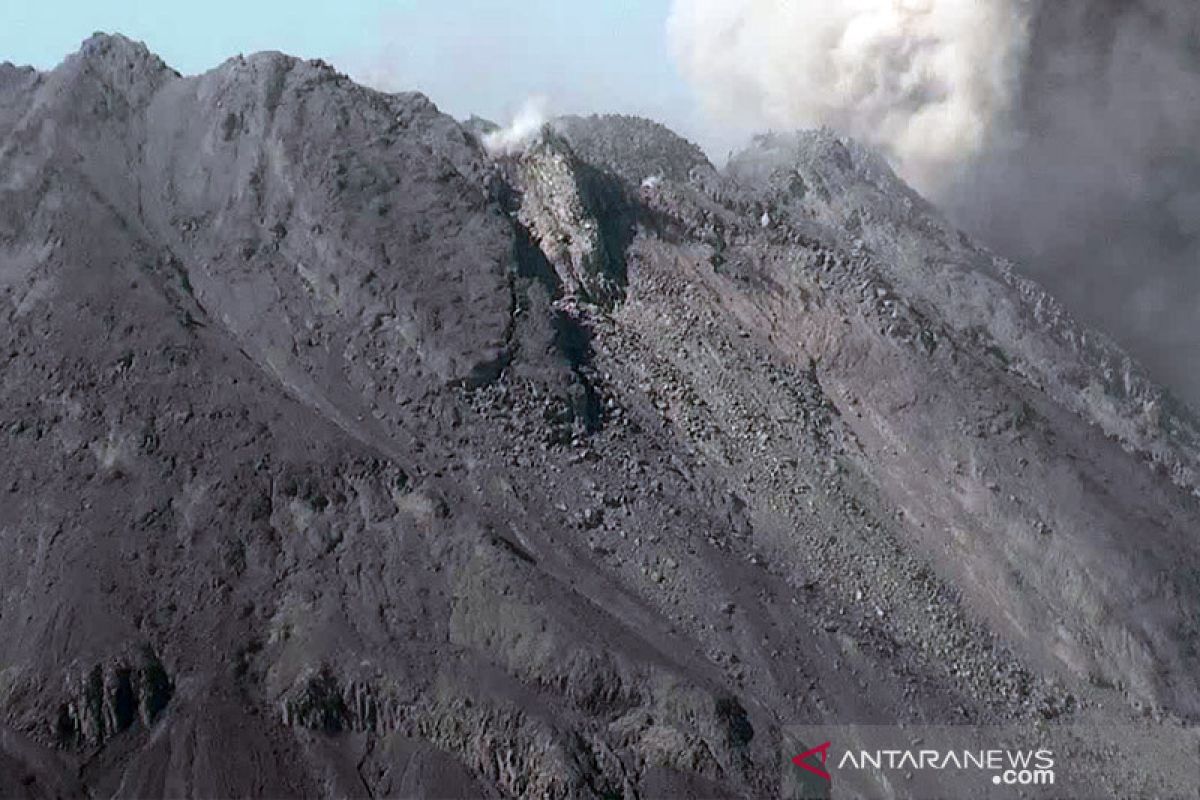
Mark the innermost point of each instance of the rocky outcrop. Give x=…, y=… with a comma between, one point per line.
x=111, y=698
x=576, y=214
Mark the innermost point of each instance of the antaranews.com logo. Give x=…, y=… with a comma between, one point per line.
x=980, y=762
x=1010, y=767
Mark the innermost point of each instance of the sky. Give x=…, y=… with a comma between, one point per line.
x=470, y=56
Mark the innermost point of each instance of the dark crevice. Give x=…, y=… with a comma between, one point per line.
x=532, y=264
x=610, y=205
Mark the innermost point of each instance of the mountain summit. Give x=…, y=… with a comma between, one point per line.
x=342, y=458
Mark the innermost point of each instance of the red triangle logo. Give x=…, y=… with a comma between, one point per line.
x=822, y=750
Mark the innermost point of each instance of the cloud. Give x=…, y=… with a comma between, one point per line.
x=923, y=80
x=1065, y=133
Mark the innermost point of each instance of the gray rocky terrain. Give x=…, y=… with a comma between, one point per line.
x=343, y=459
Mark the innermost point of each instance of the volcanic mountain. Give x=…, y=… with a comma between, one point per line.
x=342, y=458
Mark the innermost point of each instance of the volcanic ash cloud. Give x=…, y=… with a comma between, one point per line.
x=923, y=80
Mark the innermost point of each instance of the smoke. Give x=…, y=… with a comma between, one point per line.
x=1065, y=133
x=924, y=80
x=526, y=125
x=1102, y=196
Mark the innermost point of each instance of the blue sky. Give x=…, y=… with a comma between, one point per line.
x=470, y=56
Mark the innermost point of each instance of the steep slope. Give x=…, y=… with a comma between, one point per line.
x=343, y=459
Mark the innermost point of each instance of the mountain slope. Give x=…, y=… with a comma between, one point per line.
x=345, y=459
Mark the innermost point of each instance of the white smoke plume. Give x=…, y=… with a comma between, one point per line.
x=1064, y=133
x=923, y=80
x=525, y=127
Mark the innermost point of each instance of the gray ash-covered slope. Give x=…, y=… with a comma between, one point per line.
x=342, y=459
